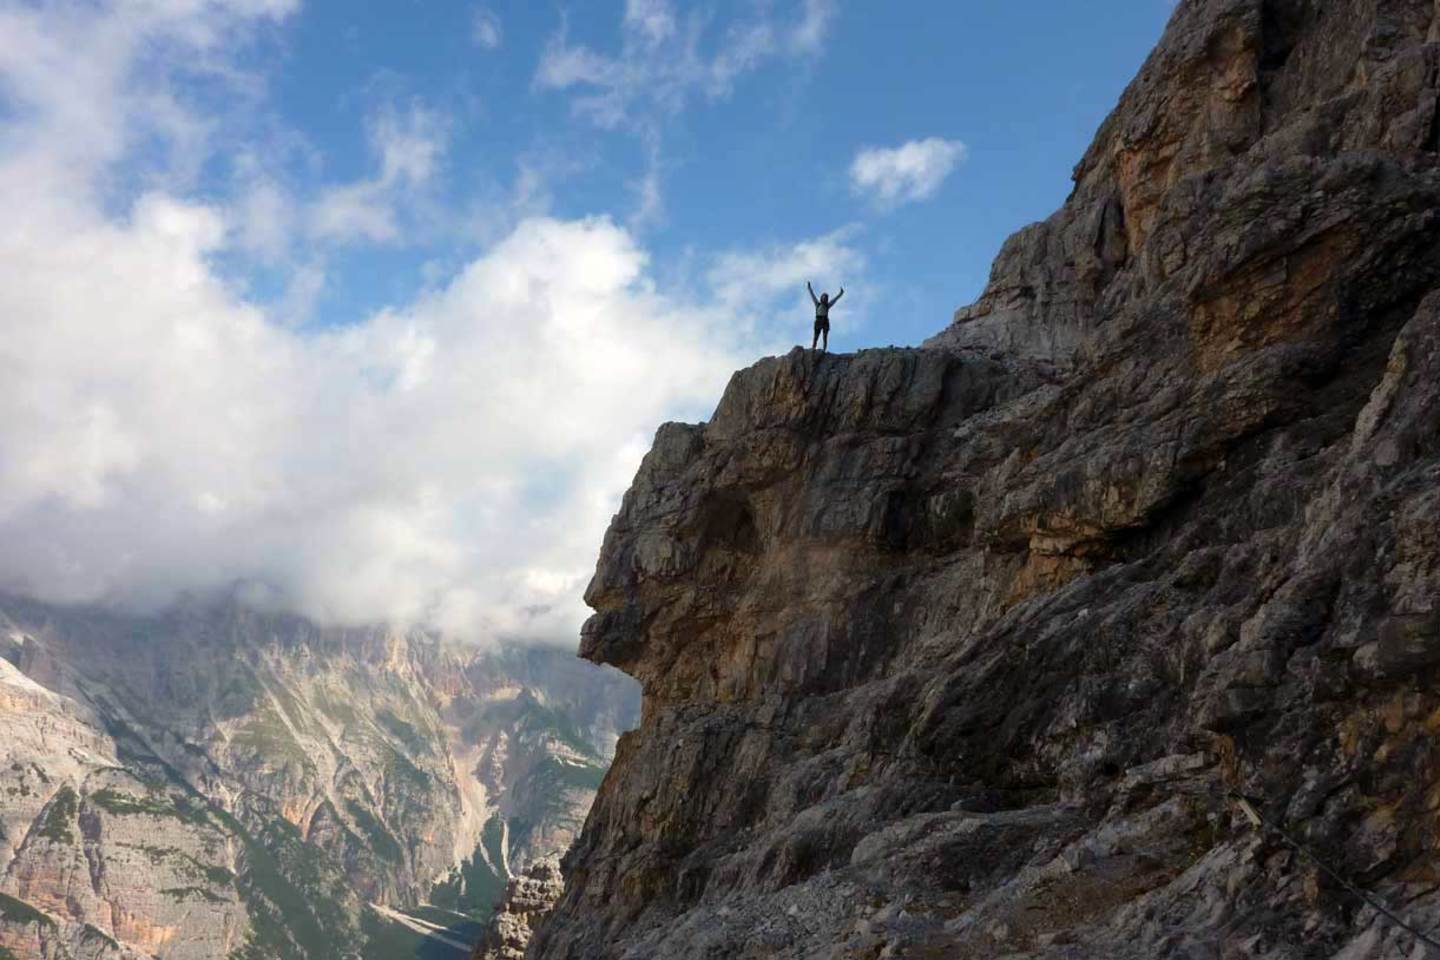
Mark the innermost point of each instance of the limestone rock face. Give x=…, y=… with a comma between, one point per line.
x=214, y=782
x=527, y=900
x=960, y=651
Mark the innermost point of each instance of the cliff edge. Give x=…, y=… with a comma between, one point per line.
x=961, y=651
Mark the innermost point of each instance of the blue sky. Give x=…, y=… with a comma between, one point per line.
x=370, y=310
x=1023, y=86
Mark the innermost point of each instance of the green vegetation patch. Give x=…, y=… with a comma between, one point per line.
x=240, y=692
x=558, y=773
x=527, y=717
x=492, y=838
x=547, y=795
x=294, y=893
x=387, y=939
x=124, y=804
x=297, y=713
x=137, y=760
x=405, y=732
x=60, y=815
x=266, y=735
x=475, y=890
x=156, y=855
x=185, y=893
x=337, y=710
x=18, y=911
x=538, y=717
x=188, y=865
x=7, y=954
x=398, y=767
x=92, y=932
x=218, y=876
x=382, y=841
x=267, y=938
x=460, y=926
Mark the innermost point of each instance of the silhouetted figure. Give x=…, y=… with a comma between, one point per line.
x=823, y=303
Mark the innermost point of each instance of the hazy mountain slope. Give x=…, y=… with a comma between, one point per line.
x=217, y=782
x=959, y=651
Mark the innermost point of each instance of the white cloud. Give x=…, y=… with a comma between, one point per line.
x=808, y=36
x=264, y=220
x=647, y=188
x=653, y=19
x=649, y=199
x=92, y=81
x=753, y=284
x=563, y=66
x=453, y=460
x=357, y=211
x=664, y=61
x=746, y=47
x=306, y=283
x=408, y=145
x=743, y=279
x=912, y=171
x=485, y=29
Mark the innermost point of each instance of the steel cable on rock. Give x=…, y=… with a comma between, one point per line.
x=1262, y=824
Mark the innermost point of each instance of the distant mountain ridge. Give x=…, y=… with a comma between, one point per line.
x=217, y=782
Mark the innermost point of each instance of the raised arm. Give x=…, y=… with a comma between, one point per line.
x=813, y=298
x=837, y=296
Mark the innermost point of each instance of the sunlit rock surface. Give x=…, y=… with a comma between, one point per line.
x=959, y=651
x=527, y=900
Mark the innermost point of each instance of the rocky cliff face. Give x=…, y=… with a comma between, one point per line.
x=219, y=783
x=959, y=651
x=528, y=900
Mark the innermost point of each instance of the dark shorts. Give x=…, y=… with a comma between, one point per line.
x=822, y=323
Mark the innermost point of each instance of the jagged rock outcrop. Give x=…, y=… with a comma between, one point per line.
x=959, y=651
x=216, y=782
x=527, y=900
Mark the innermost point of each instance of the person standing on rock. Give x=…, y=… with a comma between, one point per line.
x=823, y=303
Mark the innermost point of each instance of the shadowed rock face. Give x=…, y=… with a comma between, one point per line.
x=957, y=651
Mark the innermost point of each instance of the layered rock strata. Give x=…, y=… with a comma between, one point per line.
x=215, y=782
x=961, y=651
x=526, y=902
